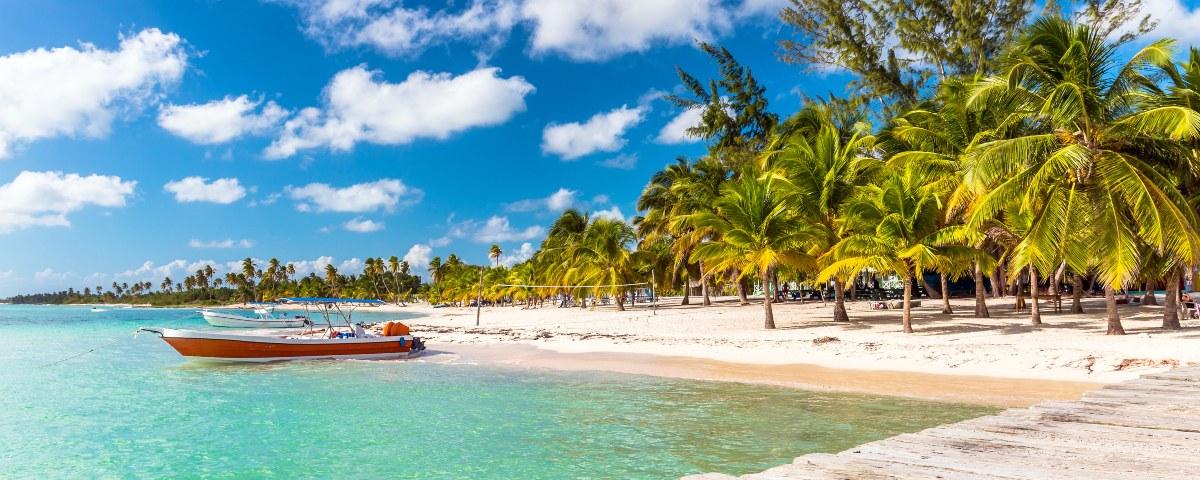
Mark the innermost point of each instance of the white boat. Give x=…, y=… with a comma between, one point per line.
x=263, y=318
x=98, y=309
x=345, y=341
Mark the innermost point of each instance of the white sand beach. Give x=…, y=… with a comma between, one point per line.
x=1065, y=356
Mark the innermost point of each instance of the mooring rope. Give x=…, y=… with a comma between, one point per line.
x=80, y=354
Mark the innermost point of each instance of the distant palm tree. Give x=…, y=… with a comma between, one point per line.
x=757, y=232
x=494, y=254
x=332, y=279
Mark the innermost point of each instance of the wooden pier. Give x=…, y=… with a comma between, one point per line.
x=1148, y=428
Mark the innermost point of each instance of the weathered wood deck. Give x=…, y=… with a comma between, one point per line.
x=1147, y=428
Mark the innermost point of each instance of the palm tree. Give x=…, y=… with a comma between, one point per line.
x=758, y=231
x=602, y=256
x=494, y=254
x=332, y=279
x=166, y=285
x=824, y=170
x=662, y=203
x=1088, y=156
x=896, y=227
x=435, y=269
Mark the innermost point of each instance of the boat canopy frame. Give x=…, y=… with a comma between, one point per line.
x=328, y=307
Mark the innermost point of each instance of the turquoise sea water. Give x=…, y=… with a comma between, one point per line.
x=135, y=409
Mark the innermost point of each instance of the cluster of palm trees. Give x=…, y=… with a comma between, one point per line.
x=1073, y=164
x=582, y=257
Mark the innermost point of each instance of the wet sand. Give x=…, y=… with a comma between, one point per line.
x=982, y=390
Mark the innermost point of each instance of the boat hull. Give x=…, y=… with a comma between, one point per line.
x=227, y=320
x=218, y=347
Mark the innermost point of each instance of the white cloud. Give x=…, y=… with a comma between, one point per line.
x=418, y=256
x=305, y=267
x=1175, y=20
x=45, y=198
x=675, y=131
x=497, y=229
x=396, y=30
x=603, y=132
x=602, y=29
x=149, y=270
x=524, y=253
x=579, y=30
x=612, y=213
x=68, y=91
x=623, y=162
x=362, y=225
x=360, y=107
x=220, y=121
x=51, y=274
x=226, y=243
x=600, y=199
x=384, y=194
x=558, y=201
x=198, y=189
x=353, y=265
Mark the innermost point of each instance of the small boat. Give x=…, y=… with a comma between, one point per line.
x=263, y=319
x=99, y=310
x=346, y=340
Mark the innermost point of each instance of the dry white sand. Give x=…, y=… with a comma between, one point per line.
x=1068, y=354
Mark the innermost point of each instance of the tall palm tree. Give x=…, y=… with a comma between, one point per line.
x=896, y=227
x=603, y=256
x=1087, y=156
x=758, y=231
x=332, y=279
x=435, y=269
x=494, y=254
x=824, y=170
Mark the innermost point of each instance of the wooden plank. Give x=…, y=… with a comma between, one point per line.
x=1148, y=428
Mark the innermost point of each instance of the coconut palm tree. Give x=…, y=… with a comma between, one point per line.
x=494, y=254
x=603, y=256
x=896, y=227
x=1088, y=155
x=757, y=232
x=824, y=170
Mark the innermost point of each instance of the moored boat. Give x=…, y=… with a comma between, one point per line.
x=237, y=347
x=345, y=340
x=262, y=319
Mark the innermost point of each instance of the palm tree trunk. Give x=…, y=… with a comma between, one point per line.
x=929, y=290
x=1076, y=293
x=1171, y=307
x=775, y=285
x=741, y=288
x=620, y=298
x=997, y=282
x=704, y=290
x=839, y=302
x=687, y=287
x=981, y=310
x=1111, y=313
x=769, y=322
x=906, y=317
x=946, y=295
x=1149, y=298
x=1035, y=309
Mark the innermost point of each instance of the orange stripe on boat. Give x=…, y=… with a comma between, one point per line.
x=219, y=348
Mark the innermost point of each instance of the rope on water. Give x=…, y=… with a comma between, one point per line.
x=80, y=354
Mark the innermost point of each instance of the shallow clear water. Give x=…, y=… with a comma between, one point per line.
x=134, y=408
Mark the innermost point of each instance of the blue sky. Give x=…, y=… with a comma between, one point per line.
x=148, y=138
